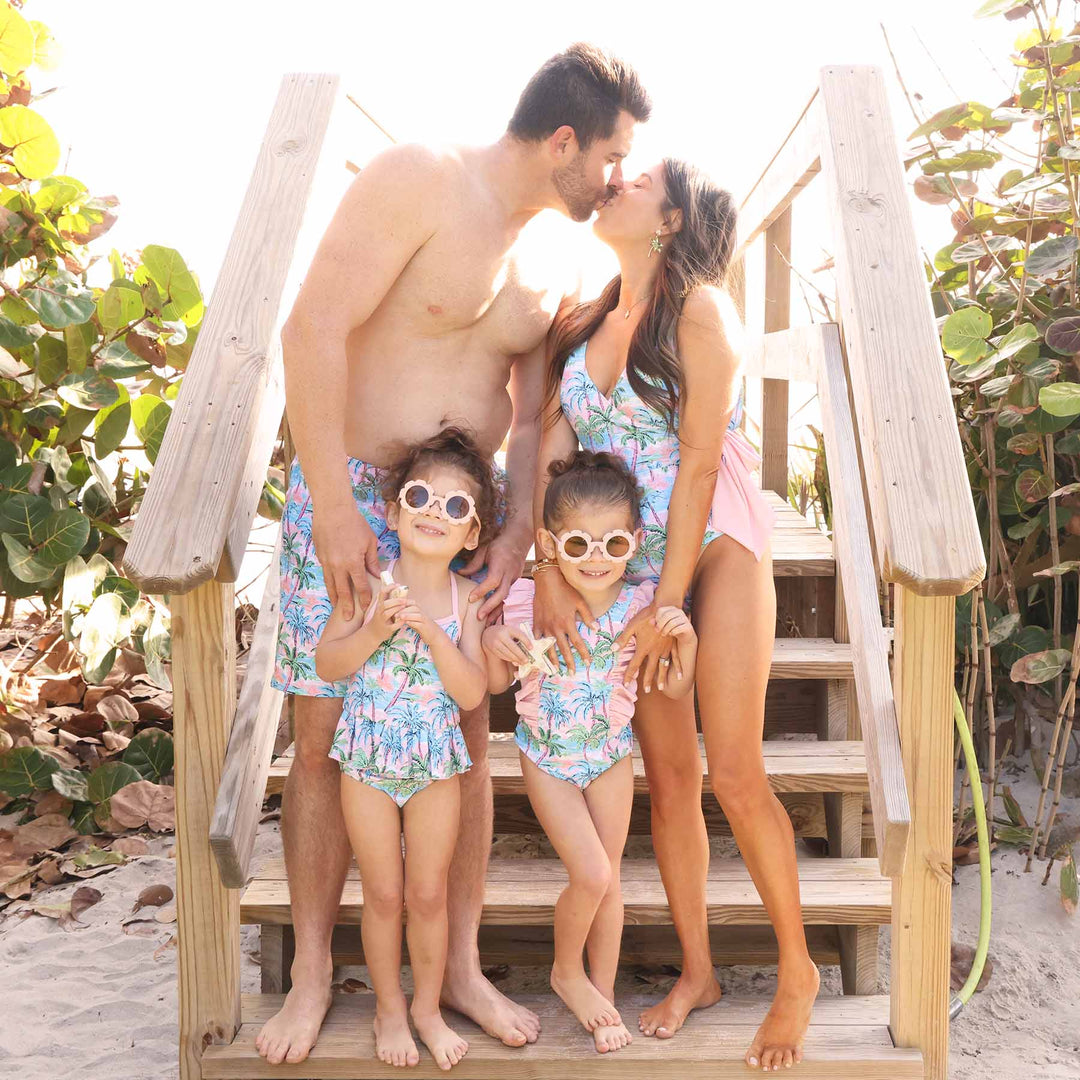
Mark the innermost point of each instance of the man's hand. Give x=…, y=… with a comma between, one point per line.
x=556, y=607
x=347, y=550
x=505, y=559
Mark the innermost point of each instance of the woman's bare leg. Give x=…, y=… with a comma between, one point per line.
x=561, y=809
x=666, y=730
x=431, y=827
x=735, y=616
x=374, y=825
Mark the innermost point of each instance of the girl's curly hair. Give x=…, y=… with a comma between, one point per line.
x=457, y=448
x=588, y=477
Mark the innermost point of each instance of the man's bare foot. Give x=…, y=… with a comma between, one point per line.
x=447, y=1046
x=666, y=1017
x=394, y=1043
x=610, y=1037
x=495, y=1013
x=583, y=999
x=779, y=1040
x=291, y=1032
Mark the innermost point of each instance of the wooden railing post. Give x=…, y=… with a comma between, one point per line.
x=207, y=913
x=922, y=895
x=774, y=392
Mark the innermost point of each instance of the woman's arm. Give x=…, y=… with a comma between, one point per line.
x=710, y=367
x=347, y=642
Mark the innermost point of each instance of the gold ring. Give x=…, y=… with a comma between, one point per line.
x=664, y=660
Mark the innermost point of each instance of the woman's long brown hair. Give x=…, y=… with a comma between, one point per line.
x=698, y=254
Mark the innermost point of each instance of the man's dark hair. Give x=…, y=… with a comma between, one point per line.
x=584, y=87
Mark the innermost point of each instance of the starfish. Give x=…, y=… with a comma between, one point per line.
x=537, y=650
x=397, y=590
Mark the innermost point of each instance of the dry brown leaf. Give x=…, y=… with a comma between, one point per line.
x=145, y=803
x=141, y=927
x=62, y=691
x=6, y=743
x=130, y=845
x=61, y=657
x=164, y=947
x=151, y=710
x=52, y=802
x=115, y=741
x=94, y=694
x=70, y=914
x=166, y=914
x=43, y=834
x=49, y=871
x=350, y=986
x=84, y=723
x=117, y=710
x=153, y=896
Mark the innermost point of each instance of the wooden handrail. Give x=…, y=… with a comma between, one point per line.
x=251, y=744
x=204, y=489
x=926, y=533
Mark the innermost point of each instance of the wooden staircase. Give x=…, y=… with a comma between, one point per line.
x=858, y=740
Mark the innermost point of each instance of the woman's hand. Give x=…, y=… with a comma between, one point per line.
x=556, y=607
x=654, y=649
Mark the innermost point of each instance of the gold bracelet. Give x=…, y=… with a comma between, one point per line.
x=544, y=564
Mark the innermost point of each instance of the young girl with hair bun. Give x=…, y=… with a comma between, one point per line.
x=573, y=733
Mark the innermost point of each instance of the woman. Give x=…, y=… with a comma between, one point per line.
x=650, y=371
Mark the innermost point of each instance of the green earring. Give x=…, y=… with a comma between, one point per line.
x=655, y=245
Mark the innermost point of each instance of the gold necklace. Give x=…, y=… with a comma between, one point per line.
x=626, y=311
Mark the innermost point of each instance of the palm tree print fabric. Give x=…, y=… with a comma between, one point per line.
x=305, y=607
x=399, y=728
x=577, y=726
x=623, y=424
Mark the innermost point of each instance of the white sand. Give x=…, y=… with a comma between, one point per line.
x=97, y=1004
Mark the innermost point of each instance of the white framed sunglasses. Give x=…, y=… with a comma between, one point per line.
x=576, y=545
x=418, y=497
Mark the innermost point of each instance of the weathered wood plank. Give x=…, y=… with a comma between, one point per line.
x=924, y=520
x=774, y=392
x=205, y=479
x=789, y=354
x=847, y=1040
x=877, y=710
x=922, y=896
x=251, y=745
x=207, y=913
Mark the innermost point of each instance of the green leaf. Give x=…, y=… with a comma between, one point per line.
x=106, y=780
x=79, y=339
x=995, y=388
x=8, y=455
x=95, y=856
x=964, y=334
x=1063, y=335
x=111, y=424
x=14, y=337
x=16, y=41
x=1024, y=528
x=965, y=161
x=106, y=626
x=23, y=562
x=82, y=819
x=151, y=753
x=1026, y=442
x=35, y=149
x=60, y=300
x=1003, y=629
x=166, y=268
x=1070, y=888
x=1040, y=667
x=119, y=305
x=71, y=784
x=127, y=590
x=1015, y=340
x=151, y=416
x=1061, y=399
x=974, y=249
x=24, y=516
x=157, y=648
x=64, y=536
x=88, y=390
x=50, y=358
x=26, y=769
x=1053, y=255
x=1033, y=485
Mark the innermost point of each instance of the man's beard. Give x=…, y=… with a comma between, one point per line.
x=579, y=199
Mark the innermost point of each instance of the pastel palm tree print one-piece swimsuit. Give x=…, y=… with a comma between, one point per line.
x=625, y=425
x=577, y=726
x=399, y=728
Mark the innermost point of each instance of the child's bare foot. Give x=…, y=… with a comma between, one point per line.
x=394, y=1043
x=583, y=999
x=610, y=1037
x=446, y=1045
x=779, y=1040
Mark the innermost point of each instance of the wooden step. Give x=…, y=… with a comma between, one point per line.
x=848, y=1039
x=791, y=765
x=523, y=892
x=798, y=549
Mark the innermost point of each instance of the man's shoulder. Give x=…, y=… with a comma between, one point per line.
x=413, y=166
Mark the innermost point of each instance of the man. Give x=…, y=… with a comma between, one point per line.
x=427, y=302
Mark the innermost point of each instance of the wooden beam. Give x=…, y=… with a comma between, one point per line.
x=251, y=745
x=923, y=678
x=204, y=487
x=920, y=497
x=792, y=167
x=884, y=761
x=774, y=392
x=791, y=355
x=207, y=913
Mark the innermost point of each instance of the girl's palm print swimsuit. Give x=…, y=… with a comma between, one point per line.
x=624, y=425
x=399, y=729
x=576, y=727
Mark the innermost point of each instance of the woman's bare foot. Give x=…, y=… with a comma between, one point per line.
x=394, y=1043
x=446, y=1045
x=291, y=1032
x=583, y=999
x=666, y=1017
x=779, y=1040
x=610, y=1037
x=473, y=996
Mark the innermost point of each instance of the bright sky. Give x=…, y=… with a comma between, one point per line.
x=165, y=106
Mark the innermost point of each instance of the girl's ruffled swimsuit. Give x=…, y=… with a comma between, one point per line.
x=623, y=424
x=576, y=727
x=399, y=729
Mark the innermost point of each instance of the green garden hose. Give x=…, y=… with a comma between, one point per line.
x=975, y=780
